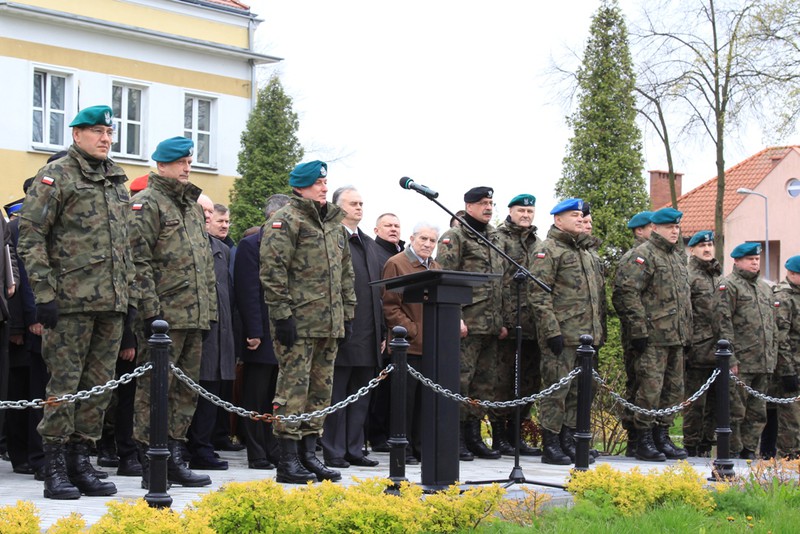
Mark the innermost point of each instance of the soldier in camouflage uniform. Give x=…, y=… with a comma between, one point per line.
x=641, y=227
x=744, y=316
x=573, y=309
x=517, y=239
x=461, y=250
x=651, y=292
x=308, y=282
x=74, y=244
x=787, y=293
x=175, y=273
x=705, y=272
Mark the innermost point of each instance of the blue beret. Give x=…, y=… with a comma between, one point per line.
x=307, y=173
x=703, y=236
x=571, y=204
x=93, y=116
x=666, y=216
x=523, y=200
x=13, y=207
x=746, y=249
x=476, y=194
x=173, y=149
x=793, y=264
x=640, y=219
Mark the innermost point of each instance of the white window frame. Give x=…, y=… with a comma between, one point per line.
x=121, y=123
x=47, y=112
x=194, y=132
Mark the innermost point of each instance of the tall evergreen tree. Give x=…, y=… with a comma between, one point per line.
x=603, y=164
x=270, y=150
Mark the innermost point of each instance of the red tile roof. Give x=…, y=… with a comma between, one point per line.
x=698, y=205
x=233, y=4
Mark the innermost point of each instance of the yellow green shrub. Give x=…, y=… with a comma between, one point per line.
x=136, y=516
x=525, y=510
x=23, y=518
x=74, y=523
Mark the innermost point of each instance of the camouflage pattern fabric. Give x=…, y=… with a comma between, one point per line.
x=659, y=370
x=560, y=408
x=787, y=316
x=699, y=419
x=520, y=244
x=530, y=377
x=748, y=413
x=478, y=375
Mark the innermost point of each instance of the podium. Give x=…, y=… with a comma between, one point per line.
x=441, y=293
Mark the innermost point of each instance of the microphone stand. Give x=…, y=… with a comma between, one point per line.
x=522, y=275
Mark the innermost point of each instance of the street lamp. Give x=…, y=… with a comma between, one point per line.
x=745, y=191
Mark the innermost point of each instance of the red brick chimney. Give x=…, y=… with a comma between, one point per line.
x=659, y=188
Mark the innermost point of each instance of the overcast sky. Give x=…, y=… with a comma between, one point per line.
x=453, y=94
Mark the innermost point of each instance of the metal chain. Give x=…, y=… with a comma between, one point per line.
x=80, y=395
x=758, y=394
x=656, y=413
x=493, y=404
x=268, y=417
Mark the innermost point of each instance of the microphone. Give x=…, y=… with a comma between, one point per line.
x=408, y=183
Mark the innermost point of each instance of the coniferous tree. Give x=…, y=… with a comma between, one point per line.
x=603, y=164
x=270, y=150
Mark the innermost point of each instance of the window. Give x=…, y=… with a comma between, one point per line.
x=126, y=102
x=793, y=188
x=197, y=125
x=49, y=108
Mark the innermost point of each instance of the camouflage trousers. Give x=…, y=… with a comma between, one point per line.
x=80, y=353
x=530, y=378
x=788, y=426
x=561, y=407
x=748, y=413
x=305, y=381
x=659, y=371
x=699, y=419
x=185, y=352
x=631, y=382
x=478, y=372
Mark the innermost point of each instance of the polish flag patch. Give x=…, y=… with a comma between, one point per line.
x=722, y=287
x=446, y=241
x=540, y=255
x=47, y=180
x=639, y=260
x=777, y=304
x=137, y=206
x=277, y=225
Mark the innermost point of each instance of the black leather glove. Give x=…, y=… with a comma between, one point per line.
x=47, y=314
x=556, y=344
x=286, y=332
x=790, y=383
x=148, y=325
x=639, y=344
x=348, y=331
x=130, y=317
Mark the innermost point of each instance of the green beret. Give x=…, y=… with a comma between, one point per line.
x=666, y=216
x=523, y=200
x=640, y=219
x=476, y=194
x=703, y=236
x=571, y=204
x=746, y=249
x=173, y=149
x=93, y=116
x=307, y=173
x=793, y=264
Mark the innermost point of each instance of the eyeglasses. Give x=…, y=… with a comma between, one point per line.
x=100, y=131
x=485, y=203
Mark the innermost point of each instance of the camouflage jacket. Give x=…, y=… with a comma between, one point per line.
x=74, y=236
x=651, y=291
x=704, y=276
x=519, y=243
x=574, y=308
x=615, y=297
x=744, y=316
x=306, y=270
x=787, y=317
x=174, y=263
x=592, y=244
x=460, y=250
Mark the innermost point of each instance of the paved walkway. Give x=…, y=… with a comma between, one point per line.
x=14, y=487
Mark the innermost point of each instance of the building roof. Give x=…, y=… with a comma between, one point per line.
x=228, y=4
x=698, y=205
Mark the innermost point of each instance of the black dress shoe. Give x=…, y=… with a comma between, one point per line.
x=209, y=464
x=362, y=462
x=229, y=445
x=340, y=463
x=261, y=463
x=24, y=469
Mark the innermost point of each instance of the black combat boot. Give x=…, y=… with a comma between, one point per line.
x=664, y=444
x=311, y=462
x=500, y=439
x=633, y=442
x=177, y=470
x=56, y=481
x=463, y=452
x=566, y=439
x=524, y=448
x=81, y=474
x=551, y=449
x=475, y=442
x=290, y=470
x=646, y=450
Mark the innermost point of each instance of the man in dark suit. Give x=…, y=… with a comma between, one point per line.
x=343, y=436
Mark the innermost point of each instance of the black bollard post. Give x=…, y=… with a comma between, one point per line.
x=397, y=409
x=583, y=430
x=723, y=464
x=157, y=496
